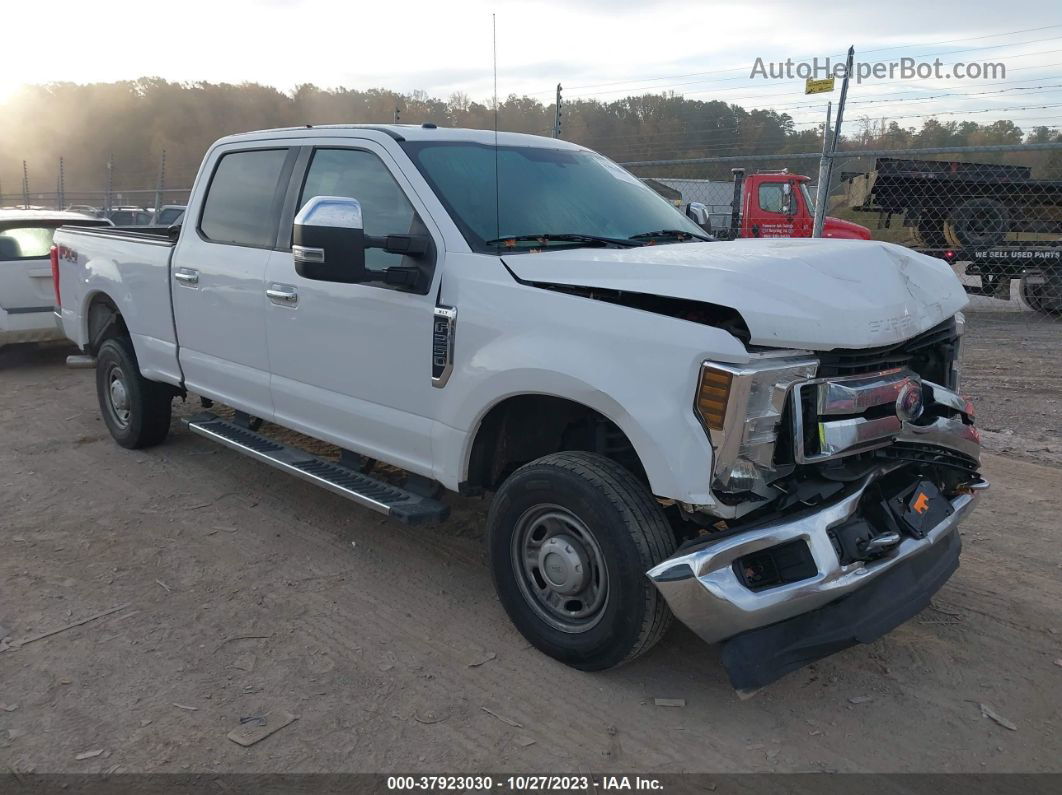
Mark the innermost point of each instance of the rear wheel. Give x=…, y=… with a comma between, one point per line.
x=571, y=536
x=1042, y=291
x=135, y=410
x=977, y=223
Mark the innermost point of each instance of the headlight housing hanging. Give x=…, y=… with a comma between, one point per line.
x=741, y=408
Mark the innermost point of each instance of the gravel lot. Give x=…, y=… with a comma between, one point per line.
x=247, y=592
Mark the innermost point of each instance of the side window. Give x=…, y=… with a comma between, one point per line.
x=361, y=175
x=239, y=202
x=771, y=198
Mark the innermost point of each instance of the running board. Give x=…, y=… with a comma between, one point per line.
x=365, y=490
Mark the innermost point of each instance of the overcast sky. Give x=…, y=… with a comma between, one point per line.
x=599, y=48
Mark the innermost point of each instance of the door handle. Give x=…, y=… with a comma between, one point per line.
x=280, y=294
x=186, y=276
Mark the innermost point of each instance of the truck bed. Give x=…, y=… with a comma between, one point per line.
x=131, y=266
x=155, y=234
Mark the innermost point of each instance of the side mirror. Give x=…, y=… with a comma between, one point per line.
x=698, y=213
x=328, y=240
x=788, y=207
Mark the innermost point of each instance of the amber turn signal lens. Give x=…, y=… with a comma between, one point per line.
x=712, y=397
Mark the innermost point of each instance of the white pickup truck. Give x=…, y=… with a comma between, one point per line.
x=761, y=437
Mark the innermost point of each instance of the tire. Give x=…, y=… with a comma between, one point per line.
x=135, y=410
x=977, y=223
x=1042, y=292
x=930, y=229
x=571, y=510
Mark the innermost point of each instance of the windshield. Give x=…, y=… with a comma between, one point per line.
x=541, y=191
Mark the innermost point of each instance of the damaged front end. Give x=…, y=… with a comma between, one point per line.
x=841, y=483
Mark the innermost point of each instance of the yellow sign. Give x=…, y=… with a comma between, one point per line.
x=823, y=86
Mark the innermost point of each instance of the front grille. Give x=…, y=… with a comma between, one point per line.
x=929, y=454
x=929, y=354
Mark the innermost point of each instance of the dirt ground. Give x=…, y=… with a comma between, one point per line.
x=244, y=592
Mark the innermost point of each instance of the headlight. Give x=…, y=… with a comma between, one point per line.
x=741, y=408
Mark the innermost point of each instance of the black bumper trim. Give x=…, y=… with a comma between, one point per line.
x=760, y=656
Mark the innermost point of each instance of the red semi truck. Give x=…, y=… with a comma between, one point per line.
x=763, y=204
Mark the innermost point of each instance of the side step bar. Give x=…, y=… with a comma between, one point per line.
x=365, y=490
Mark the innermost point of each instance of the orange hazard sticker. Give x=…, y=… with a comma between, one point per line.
x=921, y=503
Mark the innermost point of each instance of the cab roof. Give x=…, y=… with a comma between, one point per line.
x=405, y=132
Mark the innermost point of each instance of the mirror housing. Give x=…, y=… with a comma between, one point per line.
x=328, y=240
x=698, y=213
x=788, y=205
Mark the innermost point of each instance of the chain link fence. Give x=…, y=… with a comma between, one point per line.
x=994, y=213
x=137, y=204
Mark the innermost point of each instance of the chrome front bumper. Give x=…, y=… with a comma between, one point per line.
x=705, y=593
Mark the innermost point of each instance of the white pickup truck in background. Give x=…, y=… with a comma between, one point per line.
x=763, y=437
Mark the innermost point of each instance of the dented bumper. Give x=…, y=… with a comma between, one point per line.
x=707, y=591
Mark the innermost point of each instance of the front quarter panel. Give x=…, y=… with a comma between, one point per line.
x=637, y=368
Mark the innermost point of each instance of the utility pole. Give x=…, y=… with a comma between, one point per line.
x=823, y=191
x=110, y=183
x=557, y=114
x=25, y=185
x=161, y=185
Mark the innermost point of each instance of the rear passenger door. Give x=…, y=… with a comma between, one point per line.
x=218, y=275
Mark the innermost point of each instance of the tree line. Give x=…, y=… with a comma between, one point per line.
x=131, y=123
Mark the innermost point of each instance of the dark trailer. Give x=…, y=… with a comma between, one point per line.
x=998, y=218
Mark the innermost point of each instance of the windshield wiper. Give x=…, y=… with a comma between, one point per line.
x=679, y=234
x=545, y=239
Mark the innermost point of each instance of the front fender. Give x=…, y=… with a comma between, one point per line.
x=637, y=368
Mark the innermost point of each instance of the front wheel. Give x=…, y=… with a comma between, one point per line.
x=571, y=537
x=135, y=410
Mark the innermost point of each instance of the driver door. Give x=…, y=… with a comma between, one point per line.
x=351, y=363
x=775, y=209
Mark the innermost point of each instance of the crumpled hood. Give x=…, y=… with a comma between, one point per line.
x=793, y=293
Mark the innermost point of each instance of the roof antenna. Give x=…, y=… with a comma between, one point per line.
x=497, y=188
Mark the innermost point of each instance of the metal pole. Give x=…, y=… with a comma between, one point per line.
x=824, y=190
x=62, y=186
x=824, y=176
x=396, y=114
x=557, y=114
x=25, y=185
x=110, y=184
x=160, y=186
